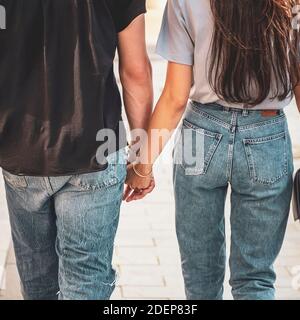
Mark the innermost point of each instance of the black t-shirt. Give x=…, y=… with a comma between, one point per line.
x=57, y=86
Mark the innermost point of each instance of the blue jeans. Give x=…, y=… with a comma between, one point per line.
x=63, y=232
x=252, y=153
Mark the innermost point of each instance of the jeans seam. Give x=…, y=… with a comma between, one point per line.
x=274, y=137
x=231, y=145
x=209, y=117
x=277, y=120
x=48, y=186
x=208, y=133
x=108, y=184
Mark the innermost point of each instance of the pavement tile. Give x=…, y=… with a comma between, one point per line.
x=161, y=270
x=287, y=294
x=124, y=239
x=4, y=235
x=139, y=279
x=154, y=292
x=134, y=256
x=117, y=294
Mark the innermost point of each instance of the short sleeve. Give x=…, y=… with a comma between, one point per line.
x=175, y=43
x=125, y=11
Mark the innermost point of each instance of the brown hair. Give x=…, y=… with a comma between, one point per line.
x=254, y=50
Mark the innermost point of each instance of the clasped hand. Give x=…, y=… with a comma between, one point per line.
x=138, y=187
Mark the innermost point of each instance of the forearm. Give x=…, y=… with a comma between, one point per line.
x=164, y=121
x=138, y=98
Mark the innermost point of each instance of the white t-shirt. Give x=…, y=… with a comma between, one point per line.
x=185, y=38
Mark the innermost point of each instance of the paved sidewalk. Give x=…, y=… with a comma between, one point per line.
x=146, y=254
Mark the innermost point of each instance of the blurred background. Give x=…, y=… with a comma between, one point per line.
x=146, y=254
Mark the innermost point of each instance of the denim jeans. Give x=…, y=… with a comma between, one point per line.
x=63, y=232
x=251, y=152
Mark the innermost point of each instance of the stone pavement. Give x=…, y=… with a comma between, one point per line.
x=146, y=254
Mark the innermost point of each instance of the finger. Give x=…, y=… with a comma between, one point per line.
x=140, y=195
x=136, y=197
x=144, y=193
x=132, y=196
x=127, y=192
x=129, y=165
x=151, y=188
x=127, y=199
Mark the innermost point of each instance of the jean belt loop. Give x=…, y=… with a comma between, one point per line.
x=245, y=112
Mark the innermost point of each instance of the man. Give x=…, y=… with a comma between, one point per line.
x=57, y=90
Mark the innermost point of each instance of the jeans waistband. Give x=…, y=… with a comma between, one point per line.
x=219, y=107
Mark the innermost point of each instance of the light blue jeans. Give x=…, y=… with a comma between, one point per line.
x=252, y=153
x=63, y=231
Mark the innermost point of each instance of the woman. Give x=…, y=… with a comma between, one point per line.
x=240, y=59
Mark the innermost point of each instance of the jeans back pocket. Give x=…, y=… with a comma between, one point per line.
x=114, y=174
x=195, y=148
x=267, y=158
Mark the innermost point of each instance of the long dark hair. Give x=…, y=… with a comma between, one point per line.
x=254, y=50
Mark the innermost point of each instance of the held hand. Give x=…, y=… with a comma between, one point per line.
x=138, y=187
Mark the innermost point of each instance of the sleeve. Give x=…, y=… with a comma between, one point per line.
x=126, y=11
x=175, y=43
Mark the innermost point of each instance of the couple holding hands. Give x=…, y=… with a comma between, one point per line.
x=233, y=66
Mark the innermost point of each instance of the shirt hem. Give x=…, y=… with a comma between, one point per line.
x=140, y=10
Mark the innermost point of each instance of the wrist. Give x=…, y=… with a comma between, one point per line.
x=144, y=169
